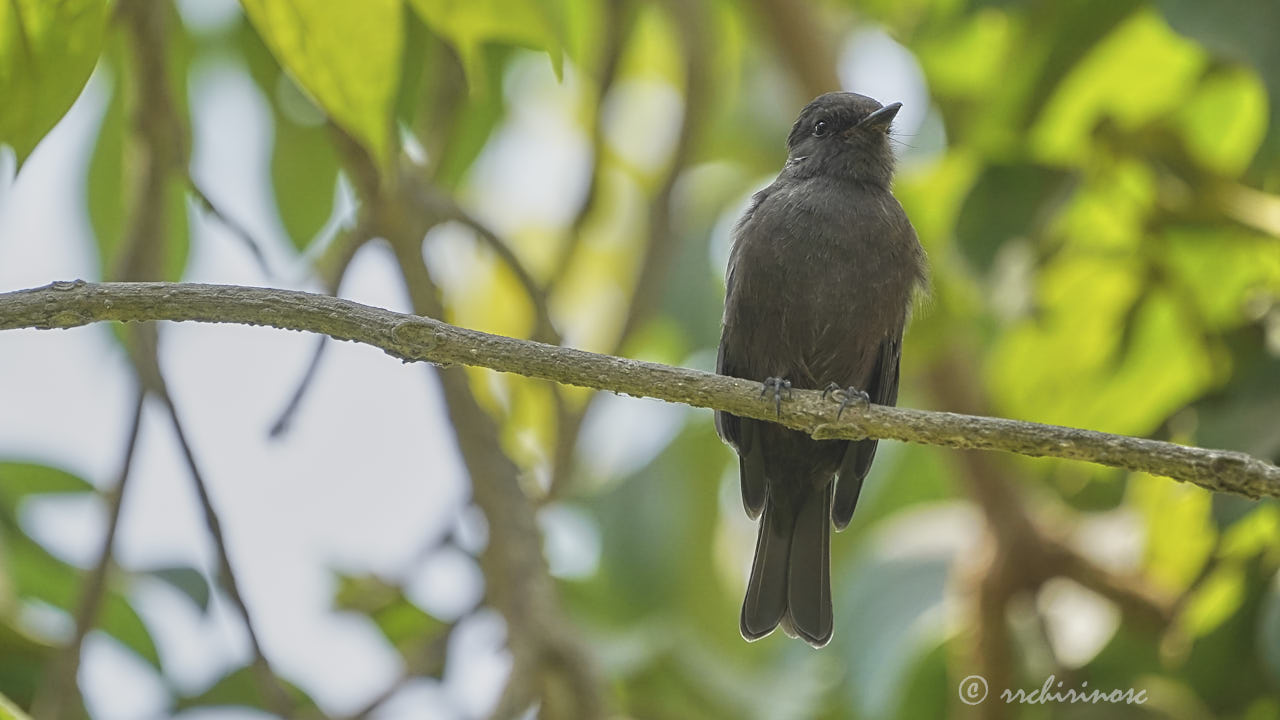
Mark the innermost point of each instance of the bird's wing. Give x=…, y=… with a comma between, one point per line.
x=741, y=433
x=883, y=390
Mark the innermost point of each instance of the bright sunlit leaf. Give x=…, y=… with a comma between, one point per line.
x=304, y=164
x=1141, y=71
x=1259, y=531
x=10, y=711
x=469, y=24
x=1215, y=600
x=347, y=55
x=1225, y=120
x=47, y=51
x=1180, y=529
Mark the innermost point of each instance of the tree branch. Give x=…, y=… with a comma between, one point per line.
x=273, y=690
x=59, y=690
x=414, y=338
x=517, y=581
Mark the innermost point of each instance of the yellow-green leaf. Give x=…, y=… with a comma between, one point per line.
x=10, y=711
x=1141, y=71
x=469, y=24
x=346, y=55
x=1180, y=533
x=47, y=51
x=1216, y=600
x=1225, y=120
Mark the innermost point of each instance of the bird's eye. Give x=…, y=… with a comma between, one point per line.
x=820, y=128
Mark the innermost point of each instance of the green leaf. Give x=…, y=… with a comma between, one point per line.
x=469, y=24
x=241, y=688
x=1008, y=202
x=1142, y=71
x=18, y=480
x=188, y=581
x=655, y=553
x=471, y=120
x=1256, y=532
x=1238, y=30
x=106, y=168
x=1269, y=637
x=39, y=575
x=10, y=711
x=23, y=659
x=405, y=625
x=1241, y=415
x=1225, y=120
x=346, y=55
x=304, y=164
x=1180, y=532
x=889, y=597
x=304, y=175
x=928, y=688
x=1098, y=326
x=47, y=52
x=1215, y=600
x=1221, y=268
x=1053, y=39
x=1229, y=666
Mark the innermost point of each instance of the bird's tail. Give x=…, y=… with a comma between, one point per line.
x=791, y=574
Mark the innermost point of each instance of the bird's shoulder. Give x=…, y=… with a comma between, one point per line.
x=817, y=211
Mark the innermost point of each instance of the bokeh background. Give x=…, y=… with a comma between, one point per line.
x=1097, y=185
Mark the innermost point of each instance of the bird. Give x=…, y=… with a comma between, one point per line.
x=823, y=272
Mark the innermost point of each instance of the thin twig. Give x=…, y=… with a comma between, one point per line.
x=275, y=693
x=519, y=584
x=60, y=682
x=442, y=206
x=428, y=661
x=236, y=227
x=439, y=205
x=163, y=154
x=282, y=422
x=331, y=268
x=417, y=338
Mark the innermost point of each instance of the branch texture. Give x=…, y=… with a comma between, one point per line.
x=413, y=338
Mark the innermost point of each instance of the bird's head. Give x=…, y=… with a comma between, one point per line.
x=843, y=134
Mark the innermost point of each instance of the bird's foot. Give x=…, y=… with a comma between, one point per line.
x=779, y=387
x=847, y=396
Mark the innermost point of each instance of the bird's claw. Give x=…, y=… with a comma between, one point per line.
x=847, y=396
x=830, y=390
x=779, y=387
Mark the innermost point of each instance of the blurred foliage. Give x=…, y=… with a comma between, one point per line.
x=9, y=711
x=47, y=51
x=1097, y=184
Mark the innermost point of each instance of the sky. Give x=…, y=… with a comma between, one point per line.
x=367, y=479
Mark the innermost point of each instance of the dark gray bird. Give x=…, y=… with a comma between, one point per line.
x=820, y=282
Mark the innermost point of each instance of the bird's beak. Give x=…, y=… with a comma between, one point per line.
x=880, y=118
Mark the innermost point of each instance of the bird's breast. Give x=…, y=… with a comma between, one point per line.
x=820, y=281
